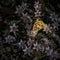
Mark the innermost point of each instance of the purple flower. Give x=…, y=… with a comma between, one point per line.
x=30, y=42
x=37, y=7
x=46, y=41
x=27, y=50
x=21, y=44
x=9, y=39
x=13, y=28
x=21, y=8
x=37, y=46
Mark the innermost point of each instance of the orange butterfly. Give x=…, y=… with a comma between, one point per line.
x=38, y=25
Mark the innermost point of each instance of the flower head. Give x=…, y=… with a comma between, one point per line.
x=21, y=8
x=9, y=39
x=37, y=7
x=27, y=51
x=13, y=28
x=47, y=28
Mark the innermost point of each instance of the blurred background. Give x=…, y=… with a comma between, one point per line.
x=17, y=18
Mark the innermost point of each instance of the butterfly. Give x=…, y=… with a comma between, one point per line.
x=38, y=25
